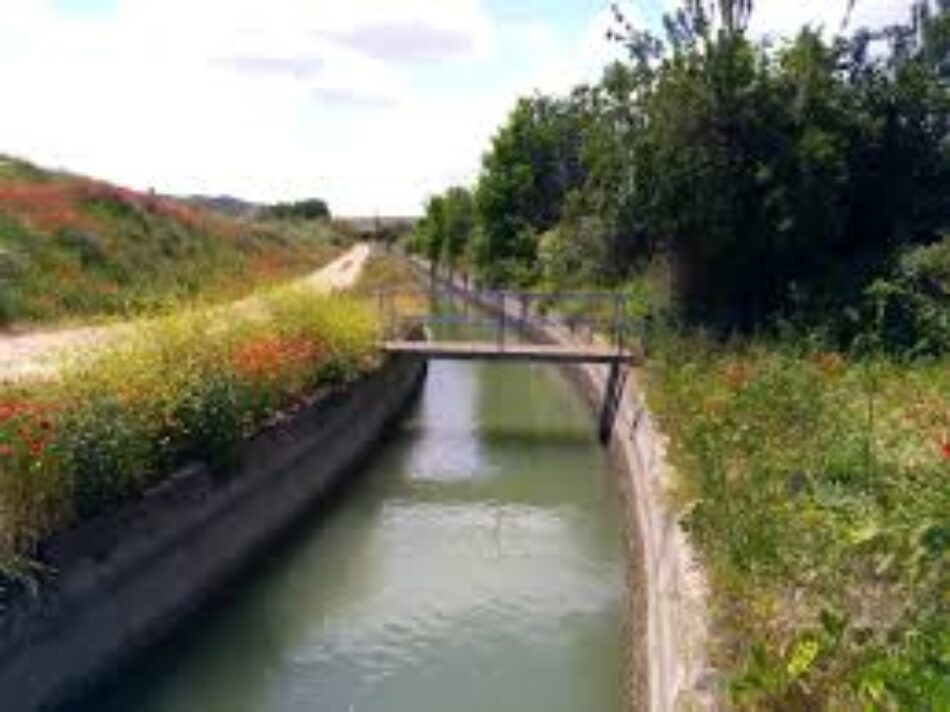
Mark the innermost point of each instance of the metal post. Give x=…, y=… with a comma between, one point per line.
x=501, y=320
x=617, y=336
x=613, y=393
x=381, y=312
x=391, y=318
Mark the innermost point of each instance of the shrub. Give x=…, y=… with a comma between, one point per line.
x=816, y=489
x=912, y=306
x=186, y=386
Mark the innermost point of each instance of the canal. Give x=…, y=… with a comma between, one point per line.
x=477, y=566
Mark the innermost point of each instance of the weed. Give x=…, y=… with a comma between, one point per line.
x=183, y=386
x=816, y=487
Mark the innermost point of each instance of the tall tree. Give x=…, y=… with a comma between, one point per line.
x=534, y=160
x=459, y=224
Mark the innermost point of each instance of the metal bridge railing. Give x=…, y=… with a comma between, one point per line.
x=509, y=313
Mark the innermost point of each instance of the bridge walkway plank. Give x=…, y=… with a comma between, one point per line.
x=504, y=351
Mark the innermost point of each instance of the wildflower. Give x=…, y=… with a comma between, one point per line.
x=736, y=374
x=946, y=449
x=831, y=364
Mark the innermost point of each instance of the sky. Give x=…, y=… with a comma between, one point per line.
x=372, y=105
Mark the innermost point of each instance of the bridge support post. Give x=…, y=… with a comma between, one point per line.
x=612, y=396
x=501, y=320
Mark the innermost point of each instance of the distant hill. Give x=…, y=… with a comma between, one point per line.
x=75, y=246
x=227, y=205
x=382, y=227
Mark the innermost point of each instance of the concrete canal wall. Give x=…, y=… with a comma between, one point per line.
x=669, y=618
x=124, y=580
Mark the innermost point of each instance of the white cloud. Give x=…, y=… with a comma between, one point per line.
x=560, y=68
x=261, y=99
x=369, y=103
x=781, y=17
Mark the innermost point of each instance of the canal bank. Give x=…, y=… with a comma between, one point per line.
x=477, y=566
x=123, y=581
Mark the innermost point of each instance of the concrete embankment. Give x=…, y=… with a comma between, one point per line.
x=668, y=611
x=125, y=580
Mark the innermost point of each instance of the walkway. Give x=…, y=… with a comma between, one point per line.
x=38, y=354
x=491, y=351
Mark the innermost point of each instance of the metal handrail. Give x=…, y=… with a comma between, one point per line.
x=506, y=305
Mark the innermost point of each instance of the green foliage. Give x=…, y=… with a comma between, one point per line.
x=71, y=247
x=183, y=387
x=446, y=232
x=312, y=209
x=779, y=180
x=815, y=488
x=783, y=180
x=533, y=163
x=384, y=271
x=458, y=225
x=432, y=229
x=799, y=189
x=912, y=305
x=572, y=255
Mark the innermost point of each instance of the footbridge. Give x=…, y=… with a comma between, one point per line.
x=452, y=320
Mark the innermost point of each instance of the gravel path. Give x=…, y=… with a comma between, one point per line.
x=38, y=353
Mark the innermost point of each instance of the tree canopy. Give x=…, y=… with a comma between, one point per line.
x=309, y=209
x=779, y=180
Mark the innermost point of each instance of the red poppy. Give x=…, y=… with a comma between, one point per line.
x=946, y=449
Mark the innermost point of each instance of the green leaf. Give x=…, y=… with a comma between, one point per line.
x=803, y=656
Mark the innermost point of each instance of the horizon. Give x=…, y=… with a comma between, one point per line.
x=371, y=107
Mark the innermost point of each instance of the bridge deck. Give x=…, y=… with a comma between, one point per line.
x=486, y=350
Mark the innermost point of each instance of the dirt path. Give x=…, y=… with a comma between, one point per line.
x=38, y=353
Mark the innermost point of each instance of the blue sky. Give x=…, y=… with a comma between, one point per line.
x=371, y=104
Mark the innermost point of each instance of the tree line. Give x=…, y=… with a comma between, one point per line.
x=308, y=209
x=805, y=181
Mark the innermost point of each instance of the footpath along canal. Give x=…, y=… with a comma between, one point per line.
x=477, y=564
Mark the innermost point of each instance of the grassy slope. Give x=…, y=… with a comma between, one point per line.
x=385, y=271
x=75, y=247
x=818, y=490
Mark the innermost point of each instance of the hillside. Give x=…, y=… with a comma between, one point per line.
x=72, y=246
x=226, y=204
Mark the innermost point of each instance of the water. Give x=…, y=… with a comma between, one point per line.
x=477, y=566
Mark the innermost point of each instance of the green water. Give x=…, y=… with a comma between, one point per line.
x=476, y=566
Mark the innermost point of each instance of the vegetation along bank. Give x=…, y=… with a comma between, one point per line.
x=185, y=386
x=779, y=213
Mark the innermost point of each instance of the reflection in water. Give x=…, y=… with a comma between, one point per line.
x=477, y=566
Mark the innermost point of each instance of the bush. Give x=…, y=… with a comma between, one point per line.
x=312, y=209
x=815, y=488
x=191, y=385
x=912, y=306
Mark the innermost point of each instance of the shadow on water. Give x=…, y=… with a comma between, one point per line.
x=476, y=566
